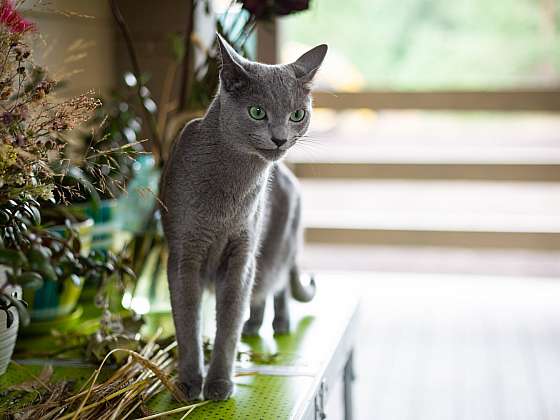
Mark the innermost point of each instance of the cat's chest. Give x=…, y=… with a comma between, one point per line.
x=232, y=200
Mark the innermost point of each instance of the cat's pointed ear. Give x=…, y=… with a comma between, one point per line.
x=307, y=65
x=232, y=74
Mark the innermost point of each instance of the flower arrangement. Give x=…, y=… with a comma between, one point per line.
x=35, y=128
x=32, y=123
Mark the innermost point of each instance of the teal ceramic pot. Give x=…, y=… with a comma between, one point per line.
x=136, y=206
x=107, y=235
x=104, y=228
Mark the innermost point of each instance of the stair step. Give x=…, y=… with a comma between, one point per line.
x=436, y=213
x=430, y=145
x=438, y=238
x=430, y=171
x=500, y=262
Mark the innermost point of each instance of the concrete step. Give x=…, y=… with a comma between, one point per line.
x=429, y=259
x=430, y=145
x=433, y=213
x=495, y=171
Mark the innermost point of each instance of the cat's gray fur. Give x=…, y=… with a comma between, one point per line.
x=231, y=212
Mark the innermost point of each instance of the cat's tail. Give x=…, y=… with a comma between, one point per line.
x=300, y=291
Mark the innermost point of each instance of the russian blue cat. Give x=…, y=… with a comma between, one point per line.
x=231, y=211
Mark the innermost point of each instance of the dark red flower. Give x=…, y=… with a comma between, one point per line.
x=11, y=18
x=266, y=9
x=285, y=7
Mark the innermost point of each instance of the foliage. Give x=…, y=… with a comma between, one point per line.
x=35, y=254
x=37, y=157
x=98, y=164
x=8, y=301
x=15, y=217
x=435, y=44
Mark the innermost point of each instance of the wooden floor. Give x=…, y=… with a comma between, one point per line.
x=436, y=346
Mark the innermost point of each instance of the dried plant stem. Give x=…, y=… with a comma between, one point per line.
x=134, y=407
x=175, y=411
x=117, y=15
x=186, y=76
x=105, y=399
x=140, y=360
x=32, y=375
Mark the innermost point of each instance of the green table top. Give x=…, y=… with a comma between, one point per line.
x=315, y=351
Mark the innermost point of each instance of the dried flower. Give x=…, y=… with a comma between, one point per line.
x=266, y=9
x=32, y=120
x=7, y=118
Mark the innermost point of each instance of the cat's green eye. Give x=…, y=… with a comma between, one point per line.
x=257, y=113
x=297, y=115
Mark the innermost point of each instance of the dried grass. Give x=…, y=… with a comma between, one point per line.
x=123, y=395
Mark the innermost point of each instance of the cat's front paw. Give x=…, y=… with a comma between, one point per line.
x=191, y=389
x=218, y=389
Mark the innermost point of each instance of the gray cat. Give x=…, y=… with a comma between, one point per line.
x=231, y=211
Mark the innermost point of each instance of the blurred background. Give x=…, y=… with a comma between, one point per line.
x=432, y=178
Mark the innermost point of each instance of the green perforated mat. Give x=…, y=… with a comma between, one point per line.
x=256, y=397
x=279, y=392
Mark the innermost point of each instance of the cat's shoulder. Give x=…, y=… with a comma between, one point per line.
x=185, y=136
x=191, y=128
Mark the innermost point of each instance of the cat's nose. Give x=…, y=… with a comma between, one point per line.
x=278, y=142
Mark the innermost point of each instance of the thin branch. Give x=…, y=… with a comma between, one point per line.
x=185, y=77
x=117, y=15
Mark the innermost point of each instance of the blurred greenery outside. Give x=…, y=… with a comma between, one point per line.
x=430, y=44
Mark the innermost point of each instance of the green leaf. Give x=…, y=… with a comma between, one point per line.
x=12, y=258
x=129, y=271
x=76, y=280
x=41, y=264
x=29, y=279
x=9, y=319
x=43, y=250
x=20, y=305
x=33, y=213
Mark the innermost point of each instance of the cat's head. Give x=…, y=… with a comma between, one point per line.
x=265, y=109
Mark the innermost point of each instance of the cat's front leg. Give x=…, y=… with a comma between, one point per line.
x=232, y=297
x=186, y=291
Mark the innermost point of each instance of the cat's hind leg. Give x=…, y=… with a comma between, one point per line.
x=253, y=324
x=281, y=322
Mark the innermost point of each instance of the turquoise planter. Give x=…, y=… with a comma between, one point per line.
x=136, y=206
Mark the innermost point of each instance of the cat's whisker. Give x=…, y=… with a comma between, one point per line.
x=308, y=150
x=312, y=144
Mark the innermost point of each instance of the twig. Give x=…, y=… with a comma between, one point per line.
x=117, y=15
x=177, y=410
x=32, y=375
x=185, y=77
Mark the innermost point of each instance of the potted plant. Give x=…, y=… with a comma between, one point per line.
x=12, y=313
x=44, y=262
x=51, y=264
x=39, y=164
